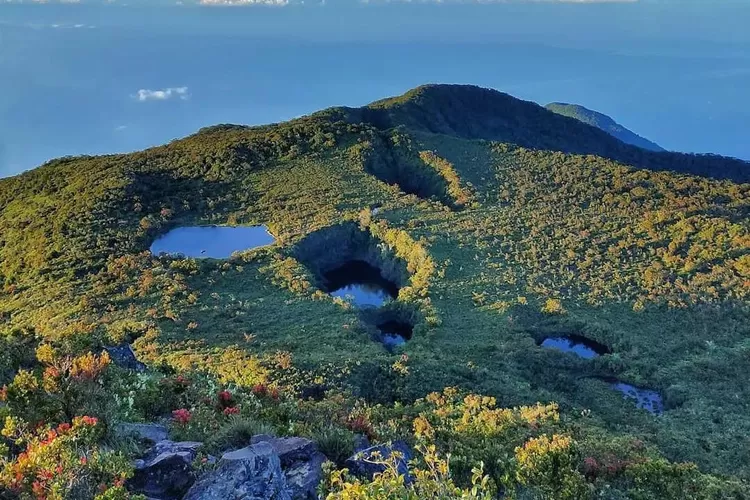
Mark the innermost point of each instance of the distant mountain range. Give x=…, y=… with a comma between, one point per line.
x=604, y=122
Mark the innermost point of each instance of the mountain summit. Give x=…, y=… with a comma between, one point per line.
x=604, y=122
x=472, y=112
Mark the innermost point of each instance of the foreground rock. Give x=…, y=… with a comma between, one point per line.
x=252, y=473
x=301, y=462
x=166, y=472
x=370, y=461
x=150, y=433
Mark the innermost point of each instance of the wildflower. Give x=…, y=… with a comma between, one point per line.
x=38, y=489
x=232, y=410
x=274, y=393
x=182, y=416
x=86, y=420
x=260, y=390
x=225, y=396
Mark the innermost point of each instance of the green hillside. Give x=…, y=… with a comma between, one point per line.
x=503, y=223
x=603, y=122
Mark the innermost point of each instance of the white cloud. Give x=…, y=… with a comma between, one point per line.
x=279, y=3
x=144, y=95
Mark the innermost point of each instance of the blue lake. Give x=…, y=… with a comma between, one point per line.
x=214, y=242
x=395, y=333
x=363, y=294
x=393, y=340
x=580, y=346
x=646, y=399
x=360, y=283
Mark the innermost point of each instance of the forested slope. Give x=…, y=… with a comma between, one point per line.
x=502, y=223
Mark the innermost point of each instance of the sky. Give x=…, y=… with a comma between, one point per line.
x=93, y=79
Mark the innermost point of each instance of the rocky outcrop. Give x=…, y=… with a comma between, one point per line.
x=368, y=462
x=124, y=357
x=301, y=462
x=150, y=433
x=166, y=471
x=252, y=473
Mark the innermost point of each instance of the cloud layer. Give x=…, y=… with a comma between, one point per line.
x=145, y=95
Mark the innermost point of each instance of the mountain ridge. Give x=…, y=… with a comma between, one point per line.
x=604, y=122
x=473, y=112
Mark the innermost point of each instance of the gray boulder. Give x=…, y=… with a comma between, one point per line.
x=301, y=462
x=151, y=433
x=166, y=471
x=290, y=449
x=367, y=463
x=252, y=473
x=124, y=357
x=303, y=478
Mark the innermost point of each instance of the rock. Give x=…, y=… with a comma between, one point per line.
x=361, y=443
x=360, y=464
x=166, y=472
x=303, y=478
x=124, y=357
x=152, y=433
x=289, y=450
x=301, y=462
x=252, y=473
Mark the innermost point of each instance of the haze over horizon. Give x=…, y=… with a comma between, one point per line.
x=91, y=79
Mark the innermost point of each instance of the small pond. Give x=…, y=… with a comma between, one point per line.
x=215, y=242
x=395, y=333
x=646, y=399
x=576, y=344
x=360, y=283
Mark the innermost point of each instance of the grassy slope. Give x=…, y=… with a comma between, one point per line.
x=603, y=238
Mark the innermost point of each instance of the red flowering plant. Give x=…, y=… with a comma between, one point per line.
x=63, y=462
x=182, y=416
x=225, y=399
x=231, y=410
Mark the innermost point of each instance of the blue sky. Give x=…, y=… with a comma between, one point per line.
x=100, y=79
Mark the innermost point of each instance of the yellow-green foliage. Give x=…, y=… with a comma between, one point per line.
x=419, y=263
x=431, y=480
x=462, y=196
x=548, y=466
x=472, y=428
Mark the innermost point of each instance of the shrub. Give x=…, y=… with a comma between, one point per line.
x=553, y=306
x=433, y=480
x=236, y=433
x=63, y=462
x=335, y=443
x=548, y=466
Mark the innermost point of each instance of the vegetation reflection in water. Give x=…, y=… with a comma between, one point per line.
x=395, y=333
x=360, y=283
x=575, y=344
x=215, y=242
x=646, y=399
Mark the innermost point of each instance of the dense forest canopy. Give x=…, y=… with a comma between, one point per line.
x=505, y=223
